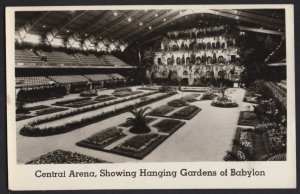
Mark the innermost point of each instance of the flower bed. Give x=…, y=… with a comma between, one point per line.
x=32, y=130
x=224, y=102
x=190, y=97
x=63, y=102
x=125, y=93
x=81, y=103
x=89, y=93
x=177, y=103
x=248, y=118
x=208, y=96
x=168, y=125
x=64, y=157
x=20, y=117
x=85, y=109
x=139, y=146
x=148, y=120
x=186, y=113
x=103, y=98
x=49, y=110
x=194, y=89
x=102, y=139
x=38, y=107
x=162, y=110
x=251, y=97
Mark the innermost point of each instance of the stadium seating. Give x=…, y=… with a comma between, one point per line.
x=32, y=81
x=27, y=57
x=89, y=60
x=111, y=60
x=60, y=58
x=98, y=77
x=68, y=79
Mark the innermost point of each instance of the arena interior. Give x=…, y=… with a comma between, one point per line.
x=170, y=85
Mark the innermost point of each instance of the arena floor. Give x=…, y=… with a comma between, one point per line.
x=206, y=137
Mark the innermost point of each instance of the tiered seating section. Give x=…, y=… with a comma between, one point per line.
x=59, y=58
x=27, y=57
x=98, y=77
x=89, y=60
x=113, y=61
x=65, y=79
x=32, y=81
x=68, y=79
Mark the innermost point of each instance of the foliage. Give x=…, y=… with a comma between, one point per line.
x=138, y=123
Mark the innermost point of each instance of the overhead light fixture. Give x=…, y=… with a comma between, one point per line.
x=150, y=27
x=115, y=13
x=141, y=23
x=129, y=19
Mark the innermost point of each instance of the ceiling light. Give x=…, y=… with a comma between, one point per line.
x=237, y=17
x=129, y=19
x=141, y=23
x=150, y=27
x=115, y=13
x=156, y=15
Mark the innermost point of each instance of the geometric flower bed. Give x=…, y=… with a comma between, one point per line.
x=162, y=110
x=64, y=157
x=102, y=139
x=243, y=146
x=147, y=119
x=190, y=97
x=208, y=96
x=177, y=103
x=63, y=102
x=248, y=118
x=81, y=103
x=32, y=129
x=168, y=125
x=140, y=145
x=49, y=110
x=20, y=117
x=126, y=93
x=224, y=102
x=186, y=112
x=103, y=98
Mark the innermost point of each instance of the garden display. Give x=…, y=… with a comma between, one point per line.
x=224, y=102
x=64, y=157
x=187, y=112
x=140, y=145
x=102, y=139
x=248, y=118
x=162, y=110
x=168, y=125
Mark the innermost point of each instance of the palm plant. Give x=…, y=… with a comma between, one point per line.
x=138, y=123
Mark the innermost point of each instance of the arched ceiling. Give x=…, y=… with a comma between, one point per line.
x=143, y=25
